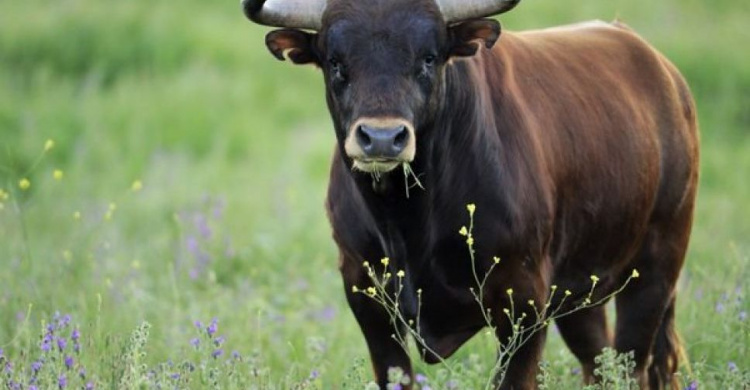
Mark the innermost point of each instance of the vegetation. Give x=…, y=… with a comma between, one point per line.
x=185, y=179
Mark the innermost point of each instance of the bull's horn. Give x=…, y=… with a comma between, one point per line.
x=305, y=14
x=459, y=10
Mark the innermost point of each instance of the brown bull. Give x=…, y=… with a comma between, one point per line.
x=577, y=144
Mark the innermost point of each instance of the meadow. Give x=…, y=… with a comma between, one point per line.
x=163, y=179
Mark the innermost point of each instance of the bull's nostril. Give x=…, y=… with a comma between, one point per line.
x=402, y=137
x=363, y=138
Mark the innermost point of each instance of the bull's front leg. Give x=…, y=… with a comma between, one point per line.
x=521, y=360
x=376, y=325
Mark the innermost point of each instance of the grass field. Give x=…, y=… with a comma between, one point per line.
x=193, y=168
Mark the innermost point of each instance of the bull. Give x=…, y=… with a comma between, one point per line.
x=577, y=144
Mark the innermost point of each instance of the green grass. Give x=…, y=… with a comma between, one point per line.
x=186, y=98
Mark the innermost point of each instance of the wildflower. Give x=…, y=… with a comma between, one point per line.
x=553, y=287
x=732, y=366
x=366, y=264
x=463, y=231
x=531, y=302
x=213, y=327
x=509, y=291
x=470, y=240
x=36, y=366
x=62, y=381
x=236, y=355
x=692, y=386
x=69, y=362
x=219, y=341
x=568, y=293
x=198, y=324
x=314, y=374
x=635, y=274
x=594, y=278
x=137, y=186
x=57, y=174
x=385, y=261
x=371, y=291
x=195, y=342
x=90, y=386
x=496, y=259
x=419, y=378
x=75, y=334
x=400, y=274
x=419, y=291
x=587, y=301
x=216, y=353
x=742, y=316
x=471, y=207
x=82, y=373
x=506, y=311
x=49, y=145
x=24, y=184
x=62, y=343
x=355, y=289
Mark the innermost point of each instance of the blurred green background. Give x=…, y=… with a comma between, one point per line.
x=233, y=148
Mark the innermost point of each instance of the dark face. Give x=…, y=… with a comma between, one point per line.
x=383, y=65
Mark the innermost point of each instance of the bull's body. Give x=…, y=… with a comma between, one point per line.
x=579, y=148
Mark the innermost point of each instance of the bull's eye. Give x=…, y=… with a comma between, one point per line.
x=336, y=68
x=429, y=60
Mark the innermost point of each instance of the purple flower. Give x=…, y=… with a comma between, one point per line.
x=236, y=355
x=75, y=335
x=719, y=307
x=195, y=342
x=62, y=381
x=36, y=366
x=89, y=386
x=732, y=367
x=692, y=386
x=419, y=378
x=314, y=374
x=198, y=324
x=1, y=352
x=576, y=371
x=426, y=387
x=397, y=386
x=82, y=373
x=213, y=327
x=77, y=347
x=219, y=341
x=61, y=343
x=215, y=354
x=32, y=387
x=742, y=316
x=175, y=376
x=69, y=362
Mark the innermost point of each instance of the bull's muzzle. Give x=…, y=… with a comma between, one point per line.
x=377, y=144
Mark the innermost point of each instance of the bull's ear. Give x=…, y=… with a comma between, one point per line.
x=296, y=45
x=466, y=37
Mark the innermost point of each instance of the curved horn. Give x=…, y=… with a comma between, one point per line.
x=459, y=10
x=305, y=14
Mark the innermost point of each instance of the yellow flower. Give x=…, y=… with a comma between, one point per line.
x=57, y=174
x=24, y=184
x=137, y=186
x=419, y=291
x=496, y=259
x=506, y=311
x=471, y=207
x=509, y=291
x=366, y=264
x=385, y=261
x=49, y=145
x=355, y=289
x=553, y=287
x=635, y=274
x=470, y=240
x=568, y=293
x=400, y=273
x=77, y=215
x=594, y=278
x=371, y=291
x=463, y=231
x=587, y=301
x=531, y=302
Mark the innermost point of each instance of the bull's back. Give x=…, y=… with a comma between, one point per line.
x=613, y=122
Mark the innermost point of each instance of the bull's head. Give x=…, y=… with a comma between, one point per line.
x=383, y=62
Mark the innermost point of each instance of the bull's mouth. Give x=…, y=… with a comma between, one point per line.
x=376, y=165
